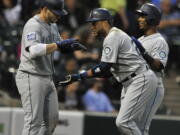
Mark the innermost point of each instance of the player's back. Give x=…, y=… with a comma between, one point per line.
x=120, y=50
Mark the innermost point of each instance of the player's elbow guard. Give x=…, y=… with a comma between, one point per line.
x=37, y=50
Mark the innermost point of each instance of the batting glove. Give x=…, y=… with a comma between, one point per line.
x=78, y=46
x=66, y=42
x=73, y=78
x=69, y=45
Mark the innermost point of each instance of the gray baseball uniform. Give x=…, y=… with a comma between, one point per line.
x=34, y=79
x=139, y=82
x=157, y=47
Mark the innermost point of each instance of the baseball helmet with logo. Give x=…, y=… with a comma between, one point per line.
x=153, y=13
x=100, y=14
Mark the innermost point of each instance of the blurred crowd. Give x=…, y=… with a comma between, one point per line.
x=92, y=95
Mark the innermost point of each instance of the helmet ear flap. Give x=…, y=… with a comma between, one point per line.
x=151, y=21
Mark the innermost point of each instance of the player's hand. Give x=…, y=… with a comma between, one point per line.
x=70, y=79
x=70, y=45
x=66, y=42
x=139, y=45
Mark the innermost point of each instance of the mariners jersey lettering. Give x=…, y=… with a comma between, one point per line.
x=157, y=47
x=119, y=49
x=34, y=32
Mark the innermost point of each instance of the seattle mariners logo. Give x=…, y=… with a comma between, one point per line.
x=162, y=54
x=107, y=50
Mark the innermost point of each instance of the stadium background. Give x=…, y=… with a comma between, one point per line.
x=14, y=14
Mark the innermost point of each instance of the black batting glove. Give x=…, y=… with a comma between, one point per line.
x=70, y=79
x=66, y=42
x=73, y=78
x=69, y=45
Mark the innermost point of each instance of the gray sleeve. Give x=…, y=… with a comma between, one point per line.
x=32, y=35
x=110, y=49
x=160, y=51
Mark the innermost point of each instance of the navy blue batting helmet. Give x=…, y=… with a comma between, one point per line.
x=153, y=13
x=100, y=14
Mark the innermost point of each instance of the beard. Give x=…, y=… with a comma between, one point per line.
x=51, y=20
x=143, y=29
x=100, y=34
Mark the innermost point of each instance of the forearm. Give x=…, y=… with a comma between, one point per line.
x=156, y=65
x=101, y=70
x=42, y=49
x=51, y=48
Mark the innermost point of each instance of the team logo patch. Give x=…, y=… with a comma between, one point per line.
x=107, y=50
x=162, y=54
x=31, y=36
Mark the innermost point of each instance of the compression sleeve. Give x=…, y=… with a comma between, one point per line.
x=37, y=50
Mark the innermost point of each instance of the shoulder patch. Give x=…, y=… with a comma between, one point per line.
x=31, y=36
x=162, y=54
x=107, y=50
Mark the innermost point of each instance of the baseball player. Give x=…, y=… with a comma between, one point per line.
x=40, y=39
x=121, y=59
x=154, y=49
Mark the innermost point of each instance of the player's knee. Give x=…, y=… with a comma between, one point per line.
x=119, y=123
x=123, y=126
